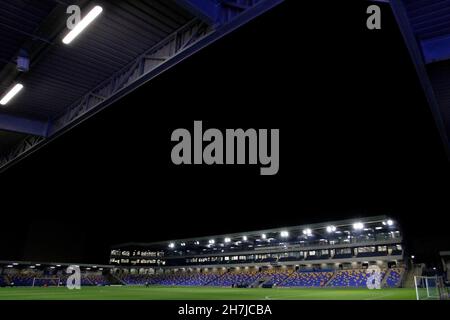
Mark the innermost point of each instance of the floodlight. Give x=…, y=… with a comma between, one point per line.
x=390, y=222
x=197, y=242
x=83, y=24
x=212, y=241
x=307, y=232
x=331, y=229
x=171, y=245
x=378, y=228
x=284, y=234
x=412, y=257
x=244, y=238
x=263, y=236
x=227, y=240
x=358, y=226
x=183, y=244
x=11, y=94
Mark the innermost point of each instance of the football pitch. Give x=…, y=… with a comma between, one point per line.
x=203, y=293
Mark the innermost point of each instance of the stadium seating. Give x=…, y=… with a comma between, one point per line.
x=268, y=277
x=175, y=279
x=237, y=278
x=394, y=277
x=277, y=276
x=3, y=281
x=351, y=278
x=24, y=279
x=138, y=279
x=187, y=279
x=94, y=280
x=21, y=278
x=307, y=279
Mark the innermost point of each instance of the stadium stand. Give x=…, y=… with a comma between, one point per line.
x=175, y=279
x=394, y=277
x=234, y=277
x=26, y=278
x=307, y=279
x=333, y=254
x=351, y=278
x=137, y=279
x=237, y=278
x=94, y=279
x=3, y=281
x=277, y=275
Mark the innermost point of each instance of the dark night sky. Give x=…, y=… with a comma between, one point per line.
x=357, y=138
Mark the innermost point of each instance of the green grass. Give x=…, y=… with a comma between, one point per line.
x=202, y=293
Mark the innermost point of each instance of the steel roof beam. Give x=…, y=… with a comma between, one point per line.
x=402, y=18
x=184, y=42
x=436, y=49
x=23, y=125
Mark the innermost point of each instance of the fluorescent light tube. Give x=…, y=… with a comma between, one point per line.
x=83, y=24
x=11, y=94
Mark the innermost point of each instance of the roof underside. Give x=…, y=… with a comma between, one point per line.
x=62, y=74
x=130, y=43
x=17, y=18
x=429, y=18
x=317, y=227
x=425, y=25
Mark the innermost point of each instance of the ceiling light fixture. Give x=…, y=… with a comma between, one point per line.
x=11, y=94
x=83, y=24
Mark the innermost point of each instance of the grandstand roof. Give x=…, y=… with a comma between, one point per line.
x=131, y=42
x=295, y=232
x=425, y=26
x=25, y=264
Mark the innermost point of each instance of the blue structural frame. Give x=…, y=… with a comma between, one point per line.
x=436, y=49
x=423, y=52
x=214, y=19
x=207, y=10
x=23, y=125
